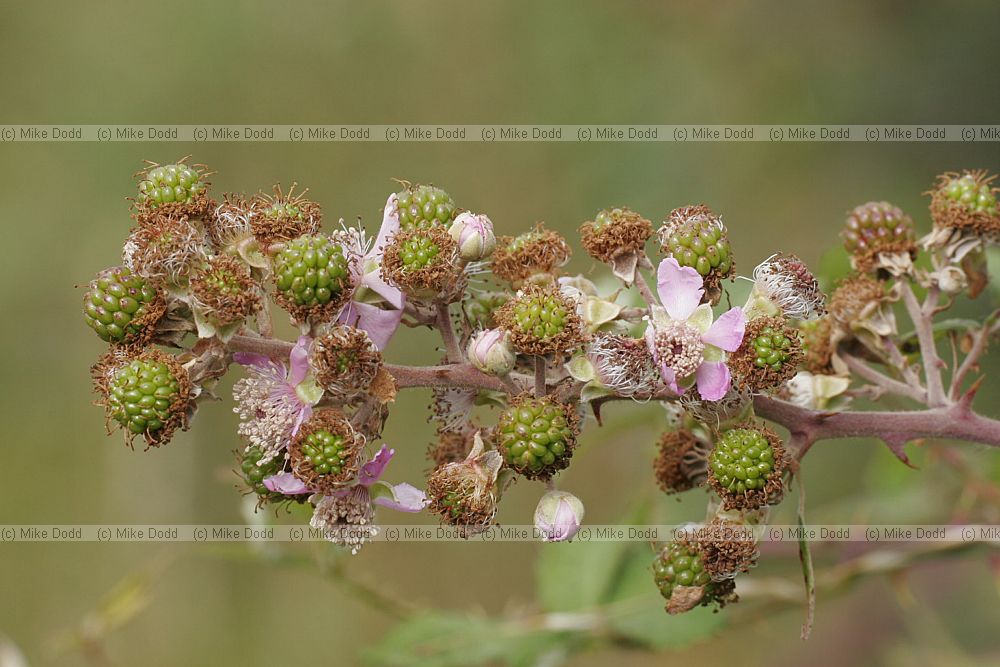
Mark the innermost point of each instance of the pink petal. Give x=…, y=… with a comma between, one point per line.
x=250, y=359
x=727, y=331
x=680, y=288
x=380, y=324
x=371, y=471
x=286, y=483
x=713, y=380
x=406, y=498
x=670, y=377
x=299, y=359
x=390, y=225
x=393, y=296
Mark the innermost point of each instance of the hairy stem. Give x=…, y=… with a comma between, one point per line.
x=540, y=388
x=979, y=343
x=866, y=372
x=922, y=317
x=448, y=333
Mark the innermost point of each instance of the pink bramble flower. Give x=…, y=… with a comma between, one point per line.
x=365, y=309
x=346, y=516
x=683, y=339
x=274, y=400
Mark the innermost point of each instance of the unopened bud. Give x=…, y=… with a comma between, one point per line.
x=558, y=516
x=473, y=232
x=490, y=351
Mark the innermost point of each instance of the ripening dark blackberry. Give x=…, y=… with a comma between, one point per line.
x=424, y=263
x=536, y=436
x=327, y=452
x=541, y=320
x=614, y=232
x=966, y=201
x=425, y=206
x=878, y=228
x=312, y=276
x=146, y=393
x=746, y=466
x=122, y=307
x=530, y=257
x=696, y=237
x=684, y=582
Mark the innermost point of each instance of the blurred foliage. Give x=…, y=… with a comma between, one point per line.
x=518, y=62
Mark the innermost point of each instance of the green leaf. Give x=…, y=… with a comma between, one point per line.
x=445, y=639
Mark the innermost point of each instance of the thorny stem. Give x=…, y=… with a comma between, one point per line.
x=448, y=333
x=953, y=421
x=922, y=317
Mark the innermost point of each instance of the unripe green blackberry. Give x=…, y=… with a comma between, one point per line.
x=536, y=436
x=971, y=193
x=530, y=256
x=768, y=355
x=147, y=394
x=283, y=216
x=679, y=564
x=121, y=306
x=418, y=252
x=773, y=348
x=817, y=349
x=540, y=321
x=745, y=468
x=254, y=473
x=311, y=272
x=684, y=580
x=326, y=452
x=696, y=237
x=424, y=263
x=170, y=183
x=966, y=201
x=614, y=232
x=425, y=206
x=480, y=307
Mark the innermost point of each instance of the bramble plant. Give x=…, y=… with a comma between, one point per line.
x=194, y=292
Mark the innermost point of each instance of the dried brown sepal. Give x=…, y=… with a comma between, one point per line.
x=853, y=296
x=946, y=212
x=727, y=548
x=743, y=362
x=621, y=231
x=345, y=361
x=225, y=291
x=774, y=484
x=676, y=466
x=463, y=493
x=450, y=446
x=686, y=598
x=163, y=247
x=441, y=279
x=571, y=336
x=283, y=216
x=540, y=251
x=875, y=259
x=181, y=408
x=334, y=422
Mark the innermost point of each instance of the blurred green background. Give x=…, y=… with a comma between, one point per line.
x=65, y=214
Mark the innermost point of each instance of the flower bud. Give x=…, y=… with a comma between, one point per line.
x=473, y=233
x=490, y=351
x=558, y=516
